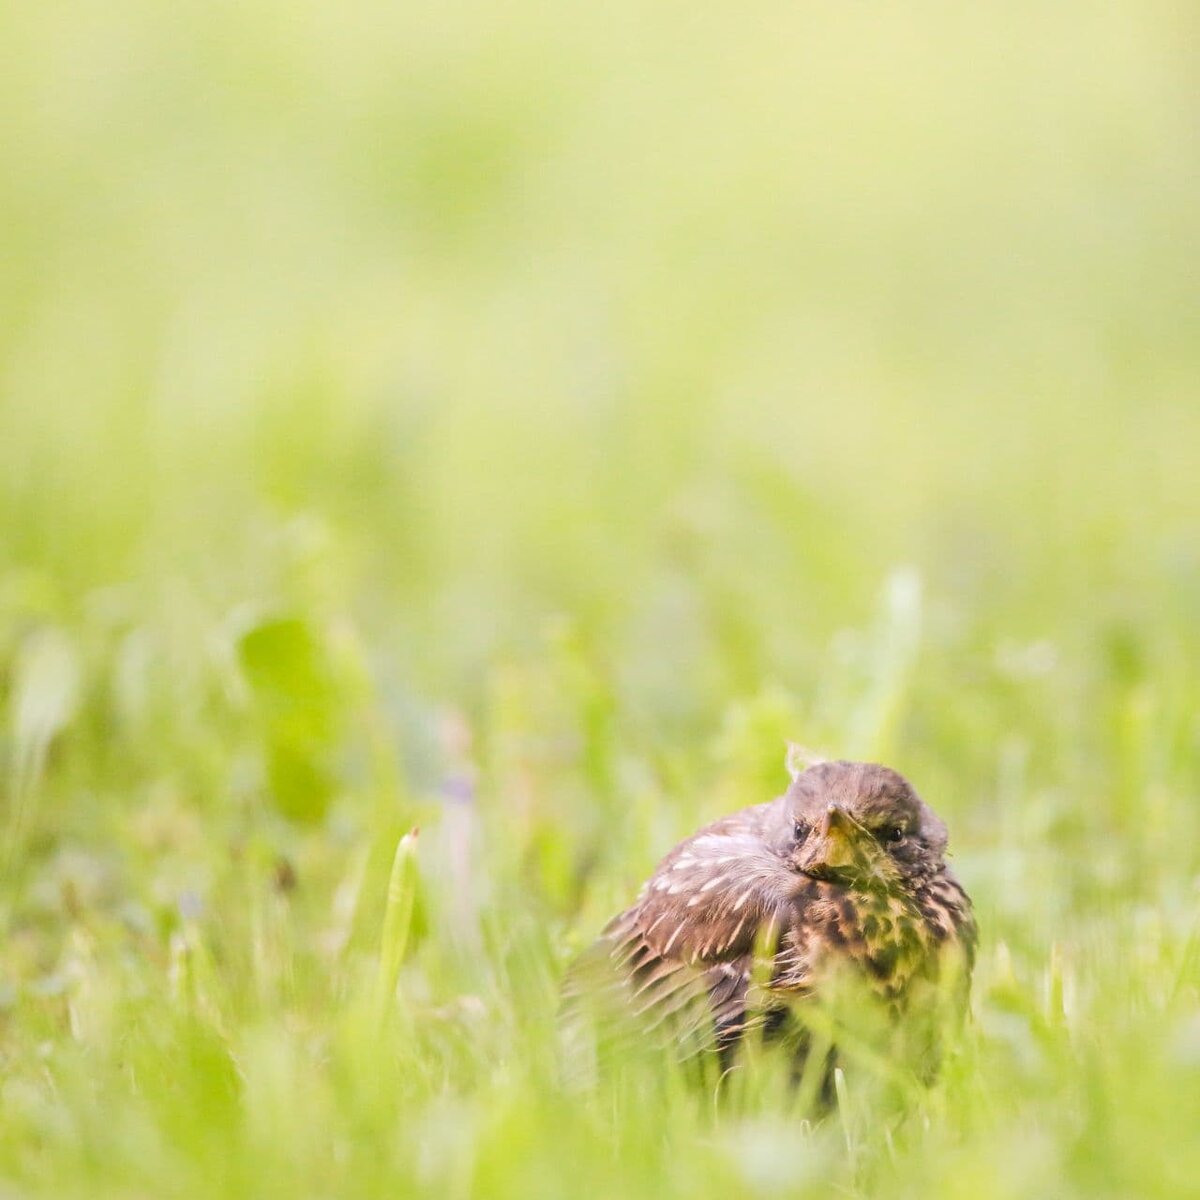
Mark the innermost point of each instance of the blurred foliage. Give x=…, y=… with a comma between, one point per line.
x=522, y=421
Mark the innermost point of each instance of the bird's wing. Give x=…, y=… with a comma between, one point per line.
x=715, y=893
x=632, y=995
x=678, y=962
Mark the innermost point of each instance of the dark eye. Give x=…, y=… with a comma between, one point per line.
x=894, y=835
x=800, y=828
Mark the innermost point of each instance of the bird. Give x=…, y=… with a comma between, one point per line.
x=836, y=889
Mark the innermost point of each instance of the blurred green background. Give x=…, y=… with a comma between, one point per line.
x=522, y=420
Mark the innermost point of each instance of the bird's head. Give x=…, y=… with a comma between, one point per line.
x=861, y=825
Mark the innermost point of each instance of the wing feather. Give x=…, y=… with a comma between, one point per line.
x=676, y=966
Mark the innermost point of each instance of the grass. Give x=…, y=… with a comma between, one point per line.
x=521, y=424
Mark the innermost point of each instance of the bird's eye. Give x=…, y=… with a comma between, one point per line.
x=894, y=835
x=800, y=828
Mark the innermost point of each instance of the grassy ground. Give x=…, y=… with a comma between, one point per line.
x=520, y=421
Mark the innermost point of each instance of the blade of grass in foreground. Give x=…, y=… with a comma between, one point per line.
x=397, y=922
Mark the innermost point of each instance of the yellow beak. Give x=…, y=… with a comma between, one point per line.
x=834, y=846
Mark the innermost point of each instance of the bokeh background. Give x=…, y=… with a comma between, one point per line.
x=523, y=420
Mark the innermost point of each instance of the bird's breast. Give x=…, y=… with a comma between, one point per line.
x=885, y=936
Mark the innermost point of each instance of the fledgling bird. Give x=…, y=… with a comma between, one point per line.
x=841, y=879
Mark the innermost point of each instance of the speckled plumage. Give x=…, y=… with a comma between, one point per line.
x=844, y=875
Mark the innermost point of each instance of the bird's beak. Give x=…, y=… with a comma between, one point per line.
x=833, y=848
